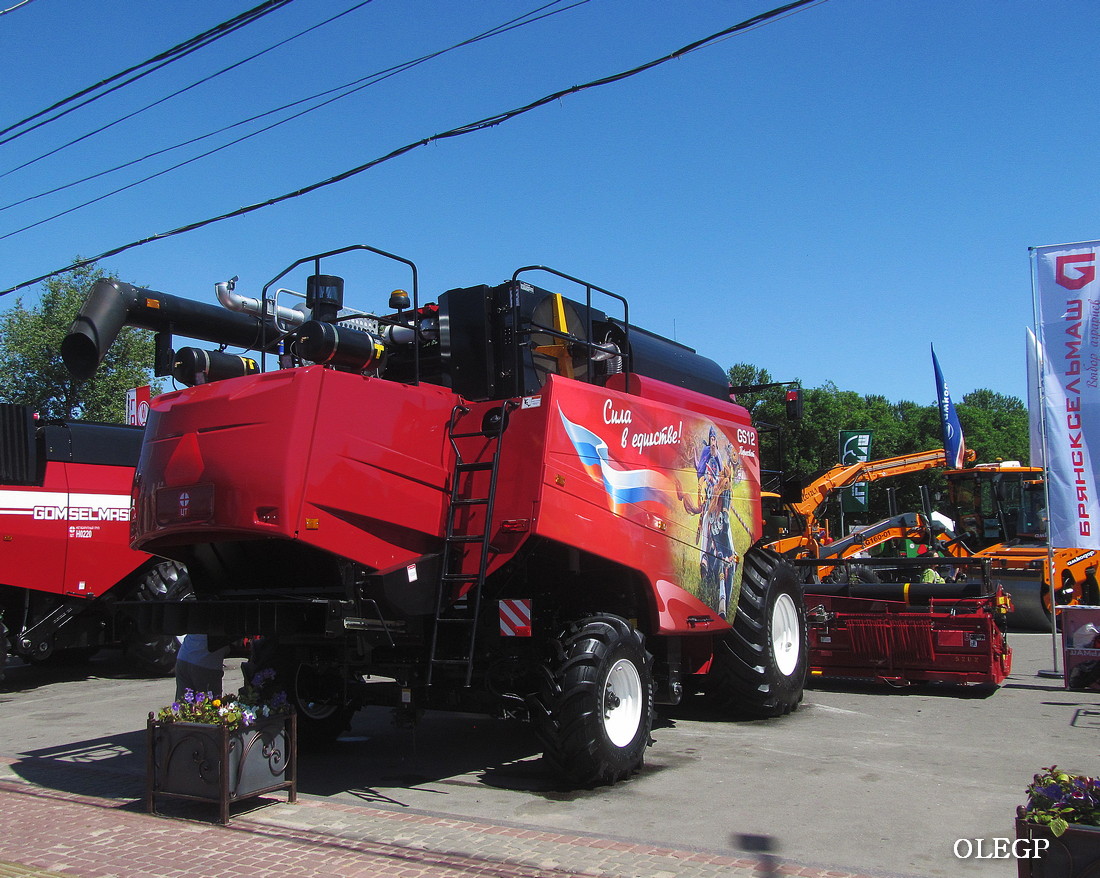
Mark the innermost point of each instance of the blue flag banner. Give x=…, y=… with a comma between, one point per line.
x=954, y=446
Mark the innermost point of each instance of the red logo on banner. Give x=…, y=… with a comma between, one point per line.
x=1084, y=274
x=137, y=406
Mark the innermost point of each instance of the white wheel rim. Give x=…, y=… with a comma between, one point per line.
x=622, y=702
x=785, y=634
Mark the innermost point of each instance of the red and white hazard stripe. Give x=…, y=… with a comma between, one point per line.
x=515, y=618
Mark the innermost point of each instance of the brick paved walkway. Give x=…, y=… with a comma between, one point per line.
x=47, y=831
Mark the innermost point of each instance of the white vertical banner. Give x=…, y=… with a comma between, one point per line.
x=1034, y=400
x=1067, y=307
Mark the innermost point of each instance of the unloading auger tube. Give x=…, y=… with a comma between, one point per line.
x=113, y=304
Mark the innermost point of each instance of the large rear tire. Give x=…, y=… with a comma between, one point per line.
x=155, y=654
x=759, y=668
x=597, y=702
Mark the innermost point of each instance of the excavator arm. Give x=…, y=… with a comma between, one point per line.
x=841, y=476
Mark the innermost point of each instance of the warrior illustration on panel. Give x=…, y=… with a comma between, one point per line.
x=717, y=471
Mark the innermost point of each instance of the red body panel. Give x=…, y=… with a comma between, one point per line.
x=360, y=468
x=621, y=479
x=349, y=464
x=70, y=536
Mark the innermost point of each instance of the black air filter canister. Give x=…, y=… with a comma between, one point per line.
x=339, y=346
x=325, y=296
x=193, y=366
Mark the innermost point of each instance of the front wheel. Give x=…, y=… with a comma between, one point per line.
x=759, y=668
x=597, y=702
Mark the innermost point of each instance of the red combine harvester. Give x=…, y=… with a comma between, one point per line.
x=65, y=544
x=505, y=501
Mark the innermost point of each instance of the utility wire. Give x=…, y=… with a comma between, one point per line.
x=155, y=63
x=347, y=90
x=13, y=8
x=186, y=88
x=469, y=128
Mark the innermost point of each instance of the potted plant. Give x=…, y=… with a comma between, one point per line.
x=223, y=748
x=1061, y=820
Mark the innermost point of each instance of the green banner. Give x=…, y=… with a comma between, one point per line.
x=855, y=447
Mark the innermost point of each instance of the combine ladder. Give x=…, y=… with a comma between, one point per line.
x=463, y=616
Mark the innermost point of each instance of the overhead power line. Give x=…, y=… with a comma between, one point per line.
x=13, y=8
x=186, y=88
x=469, y=128
x=153, y=64
x=345, y=90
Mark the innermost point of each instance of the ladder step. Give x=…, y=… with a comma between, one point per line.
x=479, y=466
x=465, y=612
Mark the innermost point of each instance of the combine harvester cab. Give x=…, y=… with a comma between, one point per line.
x=67, y=562
x=505, y=501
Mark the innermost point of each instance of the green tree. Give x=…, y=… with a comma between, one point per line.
x=32, y=372
x=995, y=426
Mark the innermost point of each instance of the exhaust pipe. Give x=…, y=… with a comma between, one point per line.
x=113, y=304
x=234, y=301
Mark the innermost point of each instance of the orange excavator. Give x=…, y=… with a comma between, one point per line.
x=796, y=530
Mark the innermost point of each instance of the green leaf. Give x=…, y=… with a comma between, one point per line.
x=32, y=372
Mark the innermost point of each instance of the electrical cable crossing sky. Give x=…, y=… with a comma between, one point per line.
x=469, y=128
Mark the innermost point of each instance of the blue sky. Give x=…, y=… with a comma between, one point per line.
x=824, y=196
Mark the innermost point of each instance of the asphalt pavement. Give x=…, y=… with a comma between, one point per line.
x=860, y=781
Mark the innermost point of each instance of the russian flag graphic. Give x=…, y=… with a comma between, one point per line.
x=623, y=486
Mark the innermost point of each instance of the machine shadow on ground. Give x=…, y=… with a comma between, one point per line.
x=373, y=762
x=451, y=748
x=117, y=764
x=110, y=664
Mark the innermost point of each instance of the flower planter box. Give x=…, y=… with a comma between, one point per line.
x=210, y=763
x=1073, y=854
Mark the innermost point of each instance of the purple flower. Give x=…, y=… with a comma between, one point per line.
x=263, y=676
x=1051, y=791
